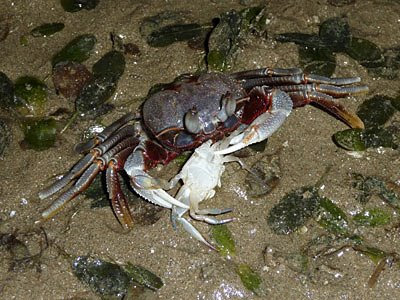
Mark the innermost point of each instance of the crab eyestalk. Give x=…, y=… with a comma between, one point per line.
x=228, y=108
x=192, y=122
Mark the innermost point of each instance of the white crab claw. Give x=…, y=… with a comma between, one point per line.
x=264, y=125
x=160, y=197
x=146, y=186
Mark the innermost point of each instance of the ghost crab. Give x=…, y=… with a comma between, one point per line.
x=241, y=108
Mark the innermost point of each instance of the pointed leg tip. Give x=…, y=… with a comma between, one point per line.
x=353, y=120
x=209, y=245
x=39, y=222
x=227, y=220
x=226, y=210
x=127, y=227
x=358, y=124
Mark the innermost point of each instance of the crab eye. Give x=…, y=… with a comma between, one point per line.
x=228, y=107
x=192, y=122
x=231, y=122
x=208, y=128
x=183, y=140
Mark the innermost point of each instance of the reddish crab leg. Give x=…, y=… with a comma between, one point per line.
x=304, y=89
x=301, y=98
x=88, y=175
x=118, y=200
x=323, y=95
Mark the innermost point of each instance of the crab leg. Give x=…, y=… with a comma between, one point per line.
x=275, y=76
x=83, y=182
x=118, y=200
x=81, y=166
x=300, y=79
x=177, y=216
x=266, y=72
x=328, y=103
x=88, y=176
x=305, y=89
x=105, y=134
x=265, y=124
x=76, y=170
x=326, y=89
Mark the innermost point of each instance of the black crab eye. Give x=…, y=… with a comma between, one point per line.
x=208, y=128
x=183, y=139
x=231, y=122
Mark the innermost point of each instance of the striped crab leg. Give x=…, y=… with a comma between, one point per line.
x=308, y=88
x=99, y=164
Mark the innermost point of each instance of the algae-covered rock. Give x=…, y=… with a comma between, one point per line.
x=294, y=210
x=77, y=50
x=39, y=134
x=32, y=95
x=223, y=239
x=47, y=29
